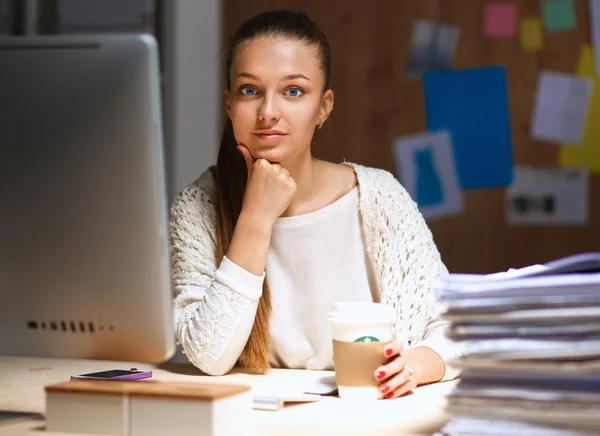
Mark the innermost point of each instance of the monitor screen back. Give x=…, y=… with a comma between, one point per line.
x=84, y=262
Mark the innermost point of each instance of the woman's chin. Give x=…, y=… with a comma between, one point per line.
x=273, y=155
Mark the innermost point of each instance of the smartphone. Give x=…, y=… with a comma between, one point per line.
x=114, y=374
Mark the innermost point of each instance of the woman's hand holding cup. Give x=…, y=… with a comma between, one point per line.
x=398, y=376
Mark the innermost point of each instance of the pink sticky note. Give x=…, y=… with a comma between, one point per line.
x=500, y=20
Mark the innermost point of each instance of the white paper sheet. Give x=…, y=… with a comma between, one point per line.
x=560, y=108
x=467, y=425
x=432, y=47
x=548, y=195
x=271, y=394
x=105, y=15
x=426, y=166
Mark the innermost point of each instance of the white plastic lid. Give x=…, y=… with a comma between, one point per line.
x=361, y=311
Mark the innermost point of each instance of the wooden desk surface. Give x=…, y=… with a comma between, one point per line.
x=22, y=381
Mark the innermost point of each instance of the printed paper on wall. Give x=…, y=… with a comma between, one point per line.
x=425, y=163
x=543, y=195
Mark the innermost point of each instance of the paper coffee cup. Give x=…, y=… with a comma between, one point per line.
x=360, y=331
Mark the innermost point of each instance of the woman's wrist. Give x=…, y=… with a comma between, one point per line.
x=255, y=224
x=416, y=361
x=250, y=244
x=428, y=365
x=428, y=368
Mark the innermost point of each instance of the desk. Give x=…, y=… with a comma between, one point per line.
x=22, y=381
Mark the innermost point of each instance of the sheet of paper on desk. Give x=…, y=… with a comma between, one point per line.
x=270, y=392
x=583, y=262
x=509, y=302
x=528, y=366
x=548, y=195
x=425, y=163
x=560, y=108
x=521, y=348
x=464, y=426
x=525, y=392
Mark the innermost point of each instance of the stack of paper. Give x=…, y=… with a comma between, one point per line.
x=531, y=341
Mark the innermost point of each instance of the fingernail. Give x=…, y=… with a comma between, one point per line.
x=390, y=395
x=384, y=388
x=388, y=352
x=380, y=374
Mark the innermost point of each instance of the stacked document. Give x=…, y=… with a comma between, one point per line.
x=531, y=341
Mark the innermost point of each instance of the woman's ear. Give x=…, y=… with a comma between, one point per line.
x=227, y=102
x=326, y=106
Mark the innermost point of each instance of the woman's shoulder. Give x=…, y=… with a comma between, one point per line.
x=376, y=181
x=199, y=196
x=382, y=195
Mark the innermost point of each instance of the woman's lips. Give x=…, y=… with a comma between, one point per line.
x=270, y=137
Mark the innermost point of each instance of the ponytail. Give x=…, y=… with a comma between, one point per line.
x=231, y=175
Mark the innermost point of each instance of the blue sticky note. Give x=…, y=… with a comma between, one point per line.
x=473, y=105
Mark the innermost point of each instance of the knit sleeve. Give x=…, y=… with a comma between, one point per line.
x=419, y=265
x=215, y=301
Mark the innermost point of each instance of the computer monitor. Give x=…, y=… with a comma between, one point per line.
x=84, y=262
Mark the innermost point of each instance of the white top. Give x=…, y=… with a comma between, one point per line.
x=215, y=300
x=303, y=290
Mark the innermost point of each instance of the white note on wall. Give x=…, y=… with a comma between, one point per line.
x=560, y=108
x=425, y=163
x=432, y=47
x=548, y=195
x=105, y=15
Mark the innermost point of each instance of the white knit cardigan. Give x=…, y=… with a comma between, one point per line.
x=405, y=261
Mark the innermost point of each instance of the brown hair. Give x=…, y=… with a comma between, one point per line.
x=231, y=173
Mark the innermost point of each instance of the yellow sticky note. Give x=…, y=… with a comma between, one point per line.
x=587, y=154
x=585, y=63
x=531, y=34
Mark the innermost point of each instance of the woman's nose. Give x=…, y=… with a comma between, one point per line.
x=269, y=109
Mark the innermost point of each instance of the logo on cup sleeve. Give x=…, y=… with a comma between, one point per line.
x=367, y=339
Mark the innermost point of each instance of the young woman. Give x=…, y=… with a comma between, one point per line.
x=317, y=232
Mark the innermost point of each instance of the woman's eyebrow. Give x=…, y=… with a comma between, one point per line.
x=295, y=76
x=288, y=77
x=248, y=76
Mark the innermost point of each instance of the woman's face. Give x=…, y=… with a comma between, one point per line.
x=276, y=98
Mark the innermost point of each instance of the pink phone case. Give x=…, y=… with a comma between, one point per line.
x=133, y=375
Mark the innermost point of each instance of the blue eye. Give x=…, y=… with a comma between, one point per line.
x=246, y=90
x=294, y=92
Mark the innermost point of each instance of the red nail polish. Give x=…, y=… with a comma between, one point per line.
x=380, y=374
x=384, y=388
x=390, y=395
x=388, y=352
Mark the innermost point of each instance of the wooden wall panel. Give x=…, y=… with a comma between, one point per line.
x=375, y=102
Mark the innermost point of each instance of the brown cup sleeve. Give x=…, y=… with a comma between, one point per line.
x=355, y=363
